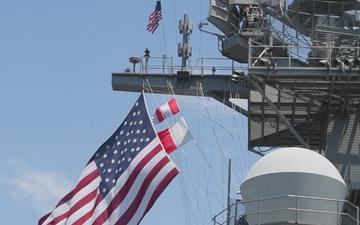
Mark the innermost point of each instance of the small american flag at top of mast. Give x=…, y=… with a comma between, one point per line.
x=154, y=18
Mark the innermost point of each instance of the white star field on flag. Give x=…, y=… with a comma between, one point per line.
x=116, y=154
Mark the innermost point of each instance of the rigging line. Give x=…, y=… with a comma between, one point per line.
x=183, y=180
x=242, y=156
x=190, y=180
x=243, y=168
x=239, y=158
x=230, y=153
x=213, y=130
x=205, y=171
x=186, y=204
x=181, y=153
x=163, y=33
x=176, y=25
x=239, y=131
x=245, y=137
x=208, y=164
x=197, y=186
x=200, y=35
x=185, y=201
x=160, y=40
x=170, y=87
x=171, y=90
x=215, y=133
x=199, y=87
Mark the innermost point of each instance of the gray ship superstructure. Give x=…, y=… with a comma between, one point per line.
x=300, y=71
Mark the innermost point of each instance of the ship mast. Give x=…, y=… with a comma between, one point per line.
x=301, y=78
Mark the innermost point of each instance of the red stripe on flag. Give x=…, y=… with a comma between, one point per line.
x=164, y=183
x=126, y=217
x=88, y=215
x=42, y=220
x=119, y=197
x=84, y=218
x=173, y=106
x=78, y=205
x=85, y=181
x=167, y=140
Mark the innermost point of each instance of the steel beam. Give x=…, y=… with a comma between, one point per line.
x=304, y=72
x=219, y=87
x=282, y=117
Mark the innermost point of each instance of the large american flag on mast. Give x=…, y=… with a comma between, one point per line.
x=154, y=18
x=122, y=180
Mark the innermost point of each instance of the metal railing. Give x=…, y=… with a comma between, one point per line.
x=319, y=56
x=203, y=66
x=238, y=213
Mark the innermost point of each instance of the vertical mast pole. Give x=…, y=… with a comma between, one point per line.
x=185, y=42
x=228, y=194
x=184, y=49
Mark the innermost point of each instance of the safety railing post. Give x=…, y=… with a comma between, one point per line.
x=202, y=66
x=289, y=59
x=249, y=54
x=330, y=55
x=236, y=206
x=357, y=215
x=163, y=63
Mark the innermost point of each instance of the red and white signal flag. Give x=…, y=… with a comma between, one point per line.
x=166, y=110
x=176, y=136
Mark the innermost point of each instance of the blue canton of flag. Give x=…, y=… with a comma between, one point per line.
x=122, y=180
x=116, y=154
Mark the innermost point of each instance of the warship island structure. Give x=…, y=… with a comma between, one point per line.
x=302, y=82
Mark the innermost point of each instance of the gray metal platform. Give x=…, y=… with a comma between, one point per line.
x=219, y=87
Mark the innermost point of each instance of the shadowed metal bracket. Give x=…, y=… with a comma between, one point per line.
x=281, y=116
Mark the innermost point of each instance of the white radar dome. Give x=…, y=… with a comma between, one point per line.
x=293, y=185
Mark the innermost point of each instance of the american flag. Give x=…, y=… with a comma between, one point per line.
x=122, y=180
x=155, y=18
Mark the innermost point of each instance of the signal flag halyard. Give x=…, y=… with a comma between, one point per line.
x=154, y=18
x=122, y=180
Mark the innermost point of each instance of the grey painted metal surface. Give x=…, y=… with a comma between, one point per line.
x=219, y=87
x=306, y=58
x=343, y=146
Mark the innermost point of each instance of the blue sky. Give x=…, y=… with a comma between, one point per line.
x=57, y=105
